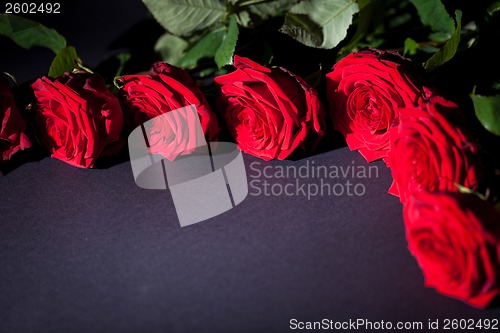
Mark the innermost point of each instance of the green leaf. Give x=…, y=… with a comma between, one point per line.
x=27, y=33
x=487, y=110
x=396, y=22
x=244, y=19
x=439, y=36
x=253, y=12
x=122, y=58
x=495, y=85
x=466, y=190
x=433, y=14
x=431, y=49
x=225, y=52
x=363, y=3
x=270, y=8
x=182, y=17
x=446, y=52
x=493, y=8
x=463, y=189
x=319, y=23
x=204, y=48
x=65, y=61
x=411, y=47
x=171, y=48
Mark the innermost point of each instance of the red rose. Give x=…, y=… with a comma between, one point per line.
x=430, y=151
x=455, y=239
x=365, y=91
x=77, y=117
x=12, y=125
x=269, y=112
x=167, y=88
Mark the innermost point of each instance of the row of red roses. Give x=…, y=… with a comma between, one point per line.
x=270, y=113
x=78, y=119
x=376, y=101
x=385, y=111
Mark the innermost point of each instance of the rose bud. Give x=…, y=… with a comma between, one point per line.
x=455, y=238
x=77, y=117
x=12, y=126
x=167, y=88
x=431, y=151
x=269, y=112
x=365, y=91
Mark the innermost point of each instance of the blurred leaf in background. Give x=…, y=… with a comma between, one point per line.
x=319, y=23
x=27, y=33
x=65, y=61
x=487, y=110
x=447, y=52
x=182, y=17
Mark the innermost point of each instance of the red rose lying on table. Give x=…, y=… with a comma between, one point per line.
x=77, y=117
x=455, y=238
x=431, y=151
x=365, y=91
x=269, y=112
x=166, y=88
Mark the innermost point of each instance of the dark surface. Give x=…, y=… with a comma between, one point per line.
x=89, y=251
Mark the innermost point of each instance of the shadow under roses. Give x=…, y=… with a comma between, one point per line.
x=331, y=140
x=33, y=154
